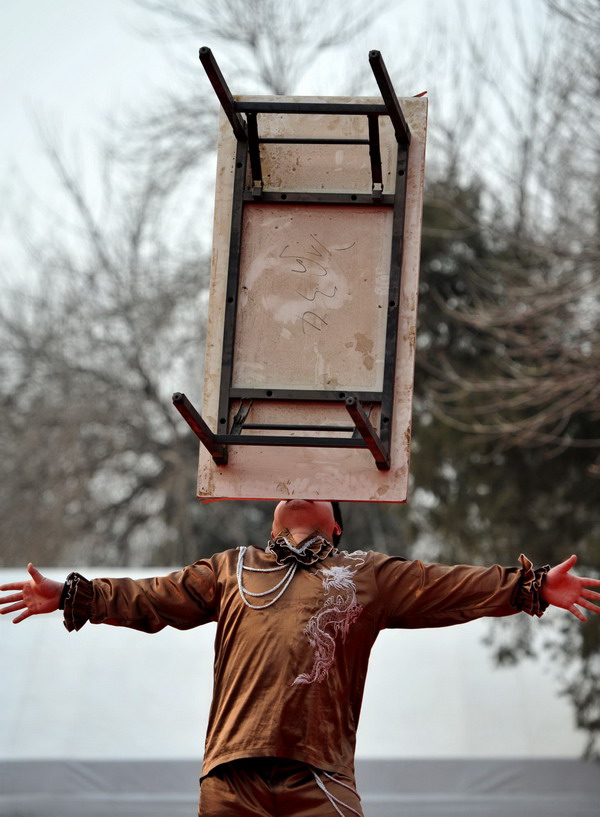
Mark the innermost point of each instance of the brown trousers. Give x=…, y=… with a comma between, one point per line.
x=275, y=787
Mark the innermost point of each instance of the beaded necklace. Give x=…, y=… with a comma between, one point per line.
x=283, y=583
x=285, y=549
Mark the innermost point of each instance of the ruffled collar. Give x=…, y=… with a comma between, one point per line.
x=314, y=548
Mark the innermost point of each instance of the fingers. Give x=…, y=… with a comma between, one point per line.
x=565, y=566
x=577, y=613
x=17, y=597
x=15, y=607
x=588, y=605
x=35, y=573
x=587, y=582
x=589, y=594
x=22, y=617
x=13, y=586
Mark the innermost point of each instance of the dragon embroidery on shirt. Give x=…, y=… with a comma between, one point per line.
x=337, y=614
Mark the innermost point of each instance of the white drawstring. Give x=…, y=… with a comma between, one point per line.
x=332, y=799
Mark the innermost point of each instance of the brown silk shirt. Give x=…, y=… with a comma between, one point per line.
x=289, y=679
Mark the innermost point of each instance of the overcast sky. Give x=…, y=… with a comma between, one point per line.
x=75, y=61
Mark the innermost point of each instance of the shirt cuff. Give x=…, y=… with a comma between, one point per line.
x=76, y=601
x=528, y=596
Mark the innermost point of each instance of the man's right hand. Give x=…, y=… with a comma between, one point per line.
x=38, y=595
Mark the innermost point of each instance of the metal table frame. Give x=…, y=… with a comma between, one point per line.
x=250, y=188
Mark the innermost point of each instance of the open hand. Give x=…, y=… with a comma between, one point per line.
x=562, y=589
x=38, y=595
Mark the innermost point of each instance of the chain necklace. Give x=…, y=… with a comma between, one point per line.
x=289, y=554
x=283, y=584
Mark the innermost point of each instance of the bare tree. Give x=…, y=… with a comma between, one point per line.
x=532, y=307
x=95, y=464
x=509, y=358
x=270, y=45
x=98, y=466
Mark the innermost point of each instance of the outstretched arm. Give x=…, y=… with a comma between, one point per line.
x=562, y=589
x=415, y=594
x=37, y=595
x=182, y=599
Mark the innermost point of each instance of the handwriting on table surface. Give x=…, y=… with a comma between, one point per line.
x=312, y=262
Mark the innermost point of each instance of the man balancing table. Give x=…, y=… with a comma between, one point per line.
x=295, y=626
